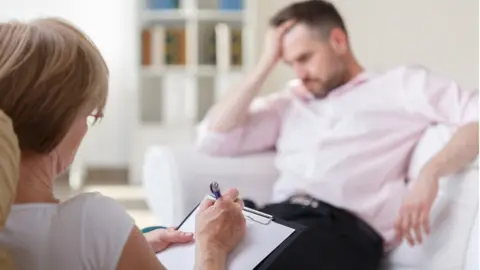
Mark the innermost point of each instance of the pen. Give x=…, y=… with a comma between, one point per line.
x=215, y=189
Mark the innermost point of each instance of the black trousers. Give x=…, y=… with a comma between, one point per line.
x=333, y=239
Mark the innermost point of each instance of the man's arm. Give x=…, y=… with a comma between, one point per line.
x=258, y=132
x=440, y=100
x=414, y=219
x=437, y=100
x=235, y=125
x=461, y=150
x=232, y=110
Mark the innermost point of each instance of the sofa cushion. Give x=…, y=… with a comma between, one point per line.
x=453, y=213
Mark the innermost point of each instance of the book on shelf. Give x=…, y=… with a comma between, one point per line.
x=231, y=4
x=236, y=47
x=146, y=47
x=163, y=4
x=210, y=50
x=227, y=46
x=163, y=46
x=175, y=46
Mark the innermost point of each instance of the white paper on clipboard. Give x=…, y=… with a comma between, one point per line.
x=262, y=237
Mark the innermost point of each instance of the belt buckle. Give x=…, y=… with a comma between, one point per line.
x=304, y=200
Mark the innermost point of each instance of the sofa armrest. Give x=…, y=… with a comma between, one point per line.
x=177, y=178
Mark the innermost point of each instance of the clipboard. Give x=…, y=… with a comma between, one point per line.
x=277, y=235
x=267, y=261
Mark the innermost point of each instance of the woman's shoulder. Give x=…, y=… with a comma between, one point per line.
x=89, y=207
x=88, y=201
x=102, y=225
x=93, y=211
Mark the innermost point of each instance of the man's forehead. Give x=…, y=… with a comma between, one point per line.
x=296, y=33
x=295, y=41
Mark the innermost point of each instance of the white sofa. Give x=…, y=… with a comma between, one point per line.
x=176, y=179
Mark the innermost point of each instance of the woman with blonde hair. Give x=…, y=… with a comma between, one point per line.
x=9, y=163
x=52, y=79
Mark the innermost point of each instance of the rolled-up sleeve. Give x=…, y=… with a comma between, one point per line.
x=438, y=99
x=258, y=133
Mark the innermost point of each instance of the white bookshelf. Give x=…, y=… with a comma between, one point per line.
x=173, y=98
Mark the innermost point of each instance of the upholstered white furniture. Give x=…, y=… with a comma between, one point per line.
x=176, y=179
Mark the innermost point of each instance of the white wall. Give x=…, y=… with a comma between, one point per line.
x=441, y=34
x=111, y=24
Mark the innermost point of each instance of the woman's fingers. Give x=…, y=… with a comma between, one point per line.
x=173, y=236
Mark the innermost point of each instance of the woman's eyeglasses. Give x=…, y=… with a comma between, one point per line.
x=93, y=118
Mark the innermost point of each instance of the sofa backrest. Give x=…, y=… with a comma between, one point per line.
x=454, y=213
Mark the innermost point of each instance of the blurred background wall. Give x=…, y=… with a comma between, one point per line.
x=441, y=34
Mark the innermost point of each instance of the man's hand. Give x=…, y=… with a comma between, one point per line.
x=161, y=239
x=415, y=212
x=272, y=51
x=457, y=153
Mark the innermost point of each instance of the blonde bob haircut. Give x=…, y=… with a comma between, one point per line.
x=50, y=74
x=9, y=173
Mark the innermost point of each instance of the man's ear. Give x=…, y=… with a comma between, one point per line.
x=338, y=41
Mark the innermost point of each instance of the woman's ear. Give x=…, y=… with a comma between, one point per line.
x=67, y=149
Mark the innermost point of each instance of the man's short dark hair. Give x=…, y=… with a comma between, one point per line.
x=320, y=15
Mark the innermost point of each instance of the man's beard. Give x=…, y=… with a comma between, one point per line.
x=326, y=87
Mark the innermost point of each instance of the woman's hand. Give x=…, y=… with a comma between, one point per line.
x=162, y=238
x=220, y=226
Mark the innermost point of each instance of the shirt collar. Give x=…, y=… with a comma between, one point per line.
x=305, y=95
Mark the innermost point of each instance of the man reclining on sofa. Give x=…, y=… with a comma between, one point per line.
x=343, y=137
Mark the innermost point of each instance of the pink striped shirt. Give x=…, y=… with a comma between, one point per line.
x=352, y=148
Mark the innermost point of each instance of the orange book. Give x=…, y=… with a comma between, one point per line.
x=146, y=47
x=183, y=49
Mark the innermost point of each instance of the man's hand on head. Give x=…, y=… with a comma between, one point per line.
x=272, y=51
